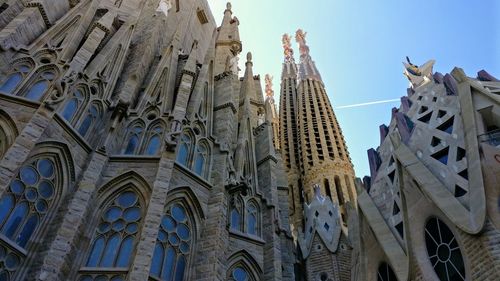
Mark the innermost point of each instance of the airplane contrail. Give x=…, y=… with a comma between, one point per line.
x=366, y=103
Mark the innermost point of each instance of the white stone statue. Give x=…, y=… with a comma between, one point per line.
x=164, y=6
x=233, y=65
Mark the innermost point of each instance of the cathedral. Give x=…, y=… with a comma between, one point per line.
x=134, y=145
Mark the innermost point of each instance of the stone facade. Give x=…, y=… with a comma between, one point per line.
x=430, y=209
x=131, y=148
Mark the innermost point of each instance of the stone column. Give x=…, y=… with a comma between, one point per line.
x=19, y=151
x=144, y=254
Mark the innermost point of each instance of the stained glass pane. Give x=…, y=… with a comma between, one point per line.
x=157, y=260
x=112, y=214
x=198, y=164
x=46, y=189
x=37, y=90
x=15, y=219
x=10, y=84
x=29, y=228
x=168, y=265
x=235, y=219
x=85, y=126
x=252, y=224
x=239, y=274
x=111, y=251
x=183, y=232
x=125, y=252
x=4, y=276
x=153, y=145
x=6, y=204
x=132, y=214
x=179, y=270
x=178, y=213
x=95, y=254
x=132, y=145
x=182, y=155
x=17, y=187
x=28, y=175
x=46, y=168
x=70, y=109
x=127, y=199
x=168, y=223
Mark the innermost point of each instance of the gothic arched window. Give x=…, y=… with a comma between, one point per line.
x=154, y=140
x=173, y=245
x=115, y=236
x=200, y=160
x=38, y=89
x=239, y=273
x=444, y=251
x=385, y=273
x=184, y=148
x=73, y=105
x=14, y=79
x=236, y=214
x=252, y=219
x=90, y=120
x=28, y=199
x=134, y=138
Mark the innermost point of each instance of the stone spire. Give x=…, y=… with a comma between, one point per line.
x=418, y=76
x=289, y=67
x=228, y=44
x=271, y=110
x=307, y=67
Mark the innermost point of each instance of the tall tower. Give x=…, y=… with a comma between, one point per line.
x=312, y=144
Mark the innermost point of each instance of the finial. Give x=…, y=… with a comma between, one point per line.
x=317, y=191
x=287, y=47
x=300, y=37
x=249, y=57
x=269, y=86
x=229, y=6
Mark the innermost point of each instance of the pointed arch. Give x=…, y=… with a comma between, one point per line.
x=201, y=159
x=185, y=148
x=91, y=118
x=153, y=140
x=133, y=138
x=177, y=236
x=8, y=132
x=245, y=261
x=75, y=103
x=40, y=82
x=20, y=71
x=32, y=200
x=236, y=212
x=252, y=217
x=117, y=223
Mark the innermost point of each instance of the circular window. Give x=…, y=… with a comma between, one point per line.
x=444, y=251
x=385, y=273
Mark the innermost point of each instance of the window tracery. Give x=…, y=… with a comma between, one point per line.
x=443, y=251
x=173, y=245
x=30, y=197
x=114, y=239
x=252, y=219
x=385, y=273
x=200, y=160
x=12, y=81
x=37, y=90
x=184, y=150
x=89, y=122
x=73, y=105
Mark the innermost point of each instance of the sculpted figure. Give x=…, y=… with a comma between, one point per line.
x=300, y=37
x=233, y=65
x=164, y=6
x=287, y=47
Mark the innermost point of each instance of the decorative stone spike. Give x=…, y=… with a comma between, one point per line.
x=394, y=111
x=367, y=182
x=451, y=85
x=405, y=104
x=410, y=92
x=438, y=77
x=485, y=76
x=384, y=130
x=375, y=161
x=405, y=126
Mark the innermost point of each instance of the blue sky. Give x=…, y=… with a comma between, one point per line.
x=358, y=47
